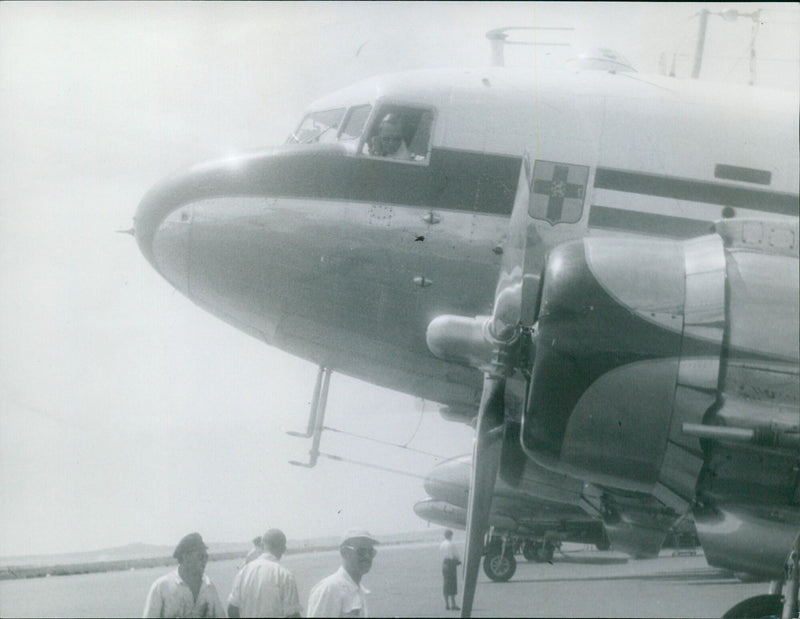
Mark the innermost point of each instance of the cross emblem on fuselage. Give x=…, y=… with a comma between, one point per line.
x=557, y=191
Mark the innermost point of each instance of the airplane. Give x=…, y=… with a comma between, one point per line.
x=520, y=521
x=597, y=268
x=507, y=537
x=535, y=516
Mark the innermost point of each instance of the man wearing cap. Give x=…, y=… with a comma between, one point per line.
x=263, y=587
x=186, y=591
x=341, y=594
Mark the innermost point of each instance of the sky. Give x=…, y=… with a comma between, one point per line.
x=127, y=414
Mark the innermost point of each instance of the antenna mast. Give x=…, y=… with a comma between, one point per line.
x=498, y=39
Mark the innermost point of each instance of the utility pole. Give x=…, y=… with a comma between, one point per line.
x=729, y=15
x=756, y=17
x=701, y=40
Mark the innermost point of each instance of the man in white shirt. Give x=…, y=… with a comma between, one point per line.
x=263, y=587
x=390, y=142
x=186, y=591
x=341, y=594
x=450, y=561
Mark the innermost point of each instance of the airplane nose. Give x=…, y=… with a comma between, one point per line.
x=163, y=219
x=167, y=210
x=242, y=237
x=441, y=512
x=449, y=481
x=161, y=229
x=165, y=214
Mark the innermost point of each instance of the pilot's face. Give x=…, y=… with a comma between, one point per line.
x=391, y=138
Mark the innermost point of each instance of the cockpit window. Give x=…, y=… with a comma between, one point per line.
x=400, y=132
x=318, y=127
x=354, y=125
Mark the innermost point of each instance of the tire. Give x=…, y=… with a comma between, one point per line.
x=768, y=605
x=604, y=544
x=499, y=567
x=530, y=550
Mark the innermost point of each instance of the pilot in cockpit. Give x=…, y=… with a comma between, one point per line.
x=389, y=142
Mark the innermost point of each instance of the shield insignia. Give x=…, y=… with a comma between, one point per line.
x=557, y=191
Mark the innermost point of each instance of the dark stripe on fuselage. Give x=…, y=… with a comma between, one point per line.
x=697, y=191
x=647, y=223
x=452, y=180
x=746, y=175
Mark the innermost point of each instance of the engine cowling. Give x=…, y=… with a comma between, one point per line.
x=661, y=369
x=654, y=359
x=627, y=349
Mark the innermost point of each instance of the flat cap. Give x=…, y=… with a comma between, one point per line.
x=193, y=541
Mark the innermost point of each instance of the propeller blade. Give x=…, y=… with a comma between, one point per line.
x=485, y=464
x=493, y=345
x=517, y=286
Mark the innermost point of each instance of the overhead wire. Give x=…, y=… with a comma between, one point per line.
x=376, y=440
x=419, y=423
x=371, y=466
x=644, y=526
x=545, y=485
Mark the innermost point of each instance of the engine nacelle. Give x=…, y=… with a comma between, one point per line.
x=629, y=348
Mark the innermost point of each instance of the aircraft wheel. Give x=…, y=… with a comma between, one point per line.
x=605, y=544
x=768, y=605
x=499, y=567
x=530, y=550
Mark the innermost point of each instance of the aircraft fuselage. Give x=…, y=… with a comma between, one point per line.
x=344, y=258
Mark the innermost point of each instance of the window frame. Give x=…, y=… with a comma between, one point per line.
x=348, y=115
x=307, y=115
x=380, y=109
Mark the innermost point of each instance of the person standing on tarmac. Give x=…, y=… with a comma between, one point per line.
x=341, y=594
x=263, y=587
x=450, y=561
x=255, y=551
x=187, y=591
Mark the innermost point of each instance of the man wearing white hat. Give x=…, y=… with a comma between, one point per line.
x=341, y=594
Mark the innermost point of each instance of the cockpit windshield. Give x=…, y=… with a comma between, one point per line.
x=356, y=119
x=401, y=133
x=318, y=127
x=398, y=132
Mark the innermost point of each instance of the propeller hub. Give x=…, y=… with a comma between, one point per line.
x=472, y=342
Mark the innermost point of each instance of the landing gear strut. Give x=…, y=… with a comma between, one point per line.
x=316, y=417
x=499, y=563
